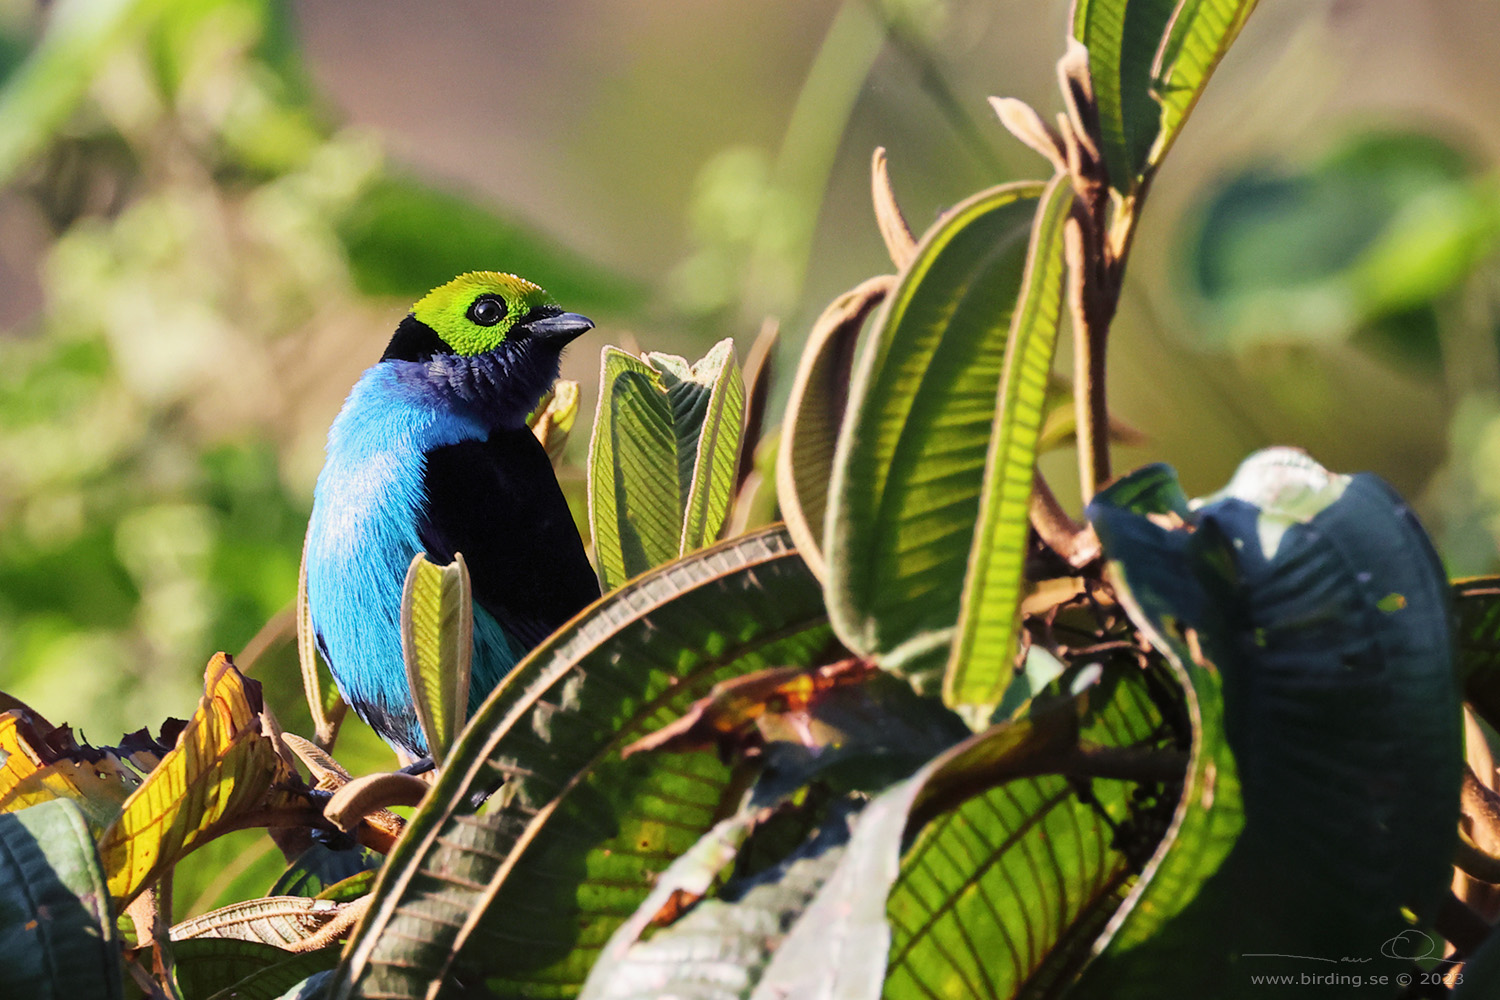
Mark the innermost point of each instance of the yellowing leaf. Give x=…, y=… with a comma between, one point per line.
x=437, y=642
x=553, y=420
x=42, y=762
x=222, y=768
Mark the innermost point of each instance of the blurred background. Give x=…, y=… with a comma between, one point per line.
x=214, y=212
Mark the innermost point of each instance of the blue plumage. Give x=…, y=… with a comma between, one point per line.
x=430, y=453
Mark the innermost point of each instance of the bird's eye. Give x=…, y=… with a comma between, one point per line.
x=487, y=310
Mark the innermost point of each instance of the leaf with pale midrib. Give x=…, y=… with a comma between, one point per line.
x=569, y=845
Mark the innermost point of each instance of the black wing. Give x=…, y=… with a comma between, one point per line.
x=498, y=502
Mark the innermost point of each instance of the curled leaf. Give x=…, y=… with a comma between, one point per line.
x=222, y=769
x=820, y=392
x=899, y=241
x=364, y=796
x=552, y=421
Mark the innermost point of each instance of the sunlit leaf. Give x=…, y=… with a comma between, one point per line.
x=1123, y=37
x=1201, y=32
x=552, y=422
x=908, y=473
x=1319, y=602
x=662, y=460
x=437, y=643
x=272, y=920
x=525, y=891
x=325, y=703
x=221, y=768
x=1002, y=895
x=984, y=646
x=57, y=930
x=840, y=943
x=820, y=391
x=39, y=762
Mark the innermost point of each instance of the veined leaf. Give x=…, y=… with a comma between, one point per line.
x=662, y=457
x=840, y=943
x=1320, y=612
x=719, y=949
x=908, y=472
x=1002, y=895
x=1123, y=38
x=40, y=762
x=983, y=649
x=1201, y=31
x=227, y=969
x=57, y=932
x=222, y=767
x=437, y=643
x=814, y=411
x=553, y=420
x=524, y=892
x=325, y=703
x=279, y=921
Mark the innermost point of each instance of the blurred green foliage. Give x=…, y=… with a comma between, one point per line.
x=211, y=245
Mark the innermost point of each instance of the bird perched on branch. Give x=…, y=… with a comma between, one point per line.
x=431, y=453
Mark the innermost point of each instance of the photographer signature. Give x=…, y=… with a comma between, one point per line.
x=1411, y=945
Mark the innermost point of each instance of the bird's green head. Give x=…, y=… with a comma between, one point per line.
x=494, y=339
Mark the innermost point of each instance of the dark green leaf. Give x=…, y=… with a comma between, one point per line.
x=57, y=934
x=1321, y=613
x=320, y=867
x=525, y=892
x=224, y=968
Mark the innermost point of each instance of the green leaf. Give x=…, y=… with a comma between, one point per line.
x=224, y=968
x=908, y=473
x=57, y=934
x=404, y=237
x=662, y=458
x=320, y=868
x=53, y=81
x=1201, y=32
x=721, y=946
x=1123, y=37
x=979, y=666
x=974, y=885
x=524, y=892
x=1321, y=613
x=437, y=643
x=814, y=411
x=1002, y=895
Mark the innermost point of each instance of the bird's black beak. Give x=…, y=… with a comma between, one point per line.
x=558, y=326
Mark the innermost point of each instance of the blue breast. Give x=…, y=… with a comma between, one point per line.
x=362, y=536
